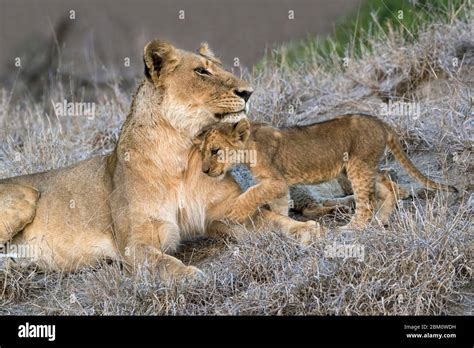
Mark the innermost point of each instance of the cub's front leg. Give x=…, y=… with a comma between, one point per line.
x=301, y=231
x=267, y=191
x=304, y=232
x=281, y=205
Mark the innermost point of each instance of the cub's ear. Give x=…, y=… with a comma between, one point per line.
x=241, y=130
x=198, y=140
x=158, y=57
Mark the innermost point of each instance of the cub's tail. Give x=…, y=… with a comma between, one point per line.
x=396, y=149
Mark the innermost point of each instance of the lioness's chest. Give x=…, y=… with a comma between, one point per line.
x=191, y=210
x=200, y=202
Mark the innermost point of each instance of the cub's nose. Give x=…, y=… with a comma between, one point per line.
x=244, y=93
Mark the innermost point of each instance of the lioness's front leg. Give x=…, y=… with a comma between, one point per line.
x=149, y=244
x=144, y=236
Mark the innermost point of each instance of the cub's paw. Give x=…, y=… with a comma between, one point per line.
x=238, y=215
x=305, y=232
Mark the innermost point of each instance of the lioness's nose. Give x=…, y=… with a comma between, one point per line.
x=244, y=93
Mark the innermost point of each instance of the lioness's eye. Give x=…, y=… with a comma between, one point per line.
x=214, y=152
x=202, y=71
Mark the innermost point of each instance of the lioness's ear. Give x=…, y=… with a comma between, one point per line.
x=159, y=56
x=205, y=51
x=241, y=131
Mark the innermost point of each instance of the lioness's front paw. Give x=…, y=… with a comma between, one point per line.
x=191, y=273
x=173, y=269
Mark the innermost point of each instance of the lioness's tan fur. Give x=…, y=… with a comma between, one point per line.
x=141, y=200
x=310, y=155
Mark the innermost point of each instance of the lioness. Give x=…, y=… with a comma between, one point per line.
x=307, y=155
x=138, y=202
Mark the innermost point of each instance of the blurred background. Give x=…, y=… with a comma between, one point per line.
x=89, y=45
x=94, y=41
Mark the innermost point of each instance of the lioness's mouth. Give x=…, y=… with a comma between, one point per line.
x=232, y=116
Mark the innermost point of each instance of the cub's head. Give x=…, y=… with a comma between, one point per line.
x=221, y=145
x=196, y=91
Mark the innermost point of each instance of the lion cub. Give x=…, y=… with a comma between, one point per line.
x=309, y=155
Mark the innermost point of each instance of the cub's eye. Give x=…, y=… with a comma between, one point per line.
x=202, y=71
x=214, y=152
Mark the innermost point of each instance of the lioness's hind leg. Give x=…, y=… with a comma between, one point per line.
x=17, y=209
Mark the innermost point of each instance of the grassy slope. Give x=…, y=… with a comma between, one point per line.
x=374, y=19
x=421, y=264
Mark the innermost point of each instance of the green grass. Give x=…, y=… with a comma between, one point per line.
x=375, y=18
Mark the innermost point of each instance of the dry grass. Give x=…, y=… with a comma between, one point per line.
x=422, y=264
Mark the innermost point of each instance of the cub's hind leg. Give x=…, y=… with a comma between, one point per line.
x=362, y=177
x=388, y=193
x=17, y=209
x=317, y=210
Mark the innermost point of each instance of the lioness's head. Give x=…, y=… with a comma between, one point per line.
x=195, y=89
x=223, y=146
